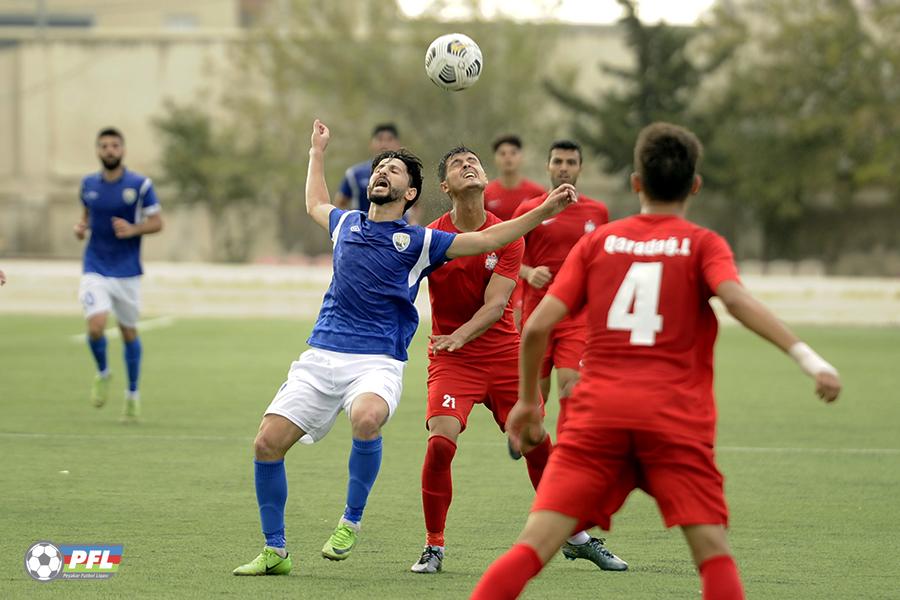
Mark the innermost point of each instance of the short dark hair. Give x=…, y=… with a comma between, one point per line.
x=110, y=131
x=442, y=166
x=413, y=167
x=386, y=127
x=511, y=139
x=666, y=158
x=565, y=145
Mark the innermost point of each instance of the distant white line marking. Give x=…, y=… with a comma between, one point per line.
x=235, y=438
x=113, y=332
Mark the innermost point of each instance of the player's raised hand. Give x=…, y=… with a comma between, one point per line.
x=558, y=199
x=446, y=343
x=828, y=386
x=320, y=136
x=525, y=426
x=80, y=230
x=123, y=229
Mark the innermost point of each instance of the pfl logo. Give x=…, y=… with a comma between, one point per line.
x=45, y=561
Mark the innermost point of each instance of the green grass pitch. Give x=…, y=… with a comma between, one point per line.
x=814, y=505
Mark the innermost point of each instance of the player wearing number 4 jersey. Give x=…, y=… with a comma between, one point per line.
x=361, y=336
x=474, y=355
x=642, y=414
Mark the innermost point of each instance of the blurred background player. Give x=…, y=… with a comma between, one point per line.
x=503, y=195
x=474, y=352
x=352, y=194
x=120, y=207
x=2, y=278
x=546, y=247
x=643, y=413
x=361, y=336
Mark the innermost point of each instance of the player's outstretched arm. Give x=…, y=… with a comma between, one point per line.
x=501, y=234
x=496, y=297
x=754, y=315
x=318, y=202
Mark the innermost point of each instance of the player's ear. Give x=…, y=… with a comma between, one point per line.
x=444, y=187
x=697, y=184
x=636, y=183
x=410, y=194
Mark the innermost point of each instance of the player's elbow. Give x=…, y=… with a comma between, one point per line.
x=534, y=331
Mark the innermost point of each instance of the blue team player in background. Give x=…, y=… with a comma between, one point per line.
x=120, y=207
x=361, y=336
x=352, y=192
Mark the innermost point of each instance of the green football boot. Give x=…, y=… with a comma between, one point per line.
x=267, y=563
x=132, y=411
x=341, y=542
x=100, y=390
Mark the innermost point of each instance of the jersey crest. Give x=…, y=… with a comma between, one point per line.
x=401, y=241
x=129, y=195
x=490, y=261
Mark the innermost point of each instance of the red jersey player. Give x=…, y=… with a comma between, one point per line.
x=642, y=414
x=503, y=195
x=474, y=353
x=546, y=247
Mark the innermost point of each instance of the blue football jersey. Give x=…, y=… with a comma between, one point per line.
x=368, y=308
x=131, y=197
x=355, y=185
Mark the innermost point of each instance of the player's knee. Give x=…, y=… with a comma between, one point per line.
x=265, y=447
x=366, y=424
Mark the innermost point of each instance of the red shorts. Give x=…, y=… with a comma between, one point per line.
x=592, y=471
x=564, y=350
x=455, y=385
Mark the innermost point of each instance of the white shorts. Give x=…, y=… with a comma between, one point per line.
x=322, y=383
x=121, y=295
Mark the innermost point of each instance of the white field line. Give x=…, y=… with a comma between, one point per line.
x=113, y=332
x=243, y=439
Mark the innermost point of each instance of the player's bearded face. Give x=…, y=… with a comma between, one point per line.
x=110, y=152
x=386, y=185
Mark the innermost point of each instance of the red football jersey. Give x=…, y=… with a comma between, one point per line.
x=644, y=284
x=550, y=242
x=457, y=292
x=503, y=202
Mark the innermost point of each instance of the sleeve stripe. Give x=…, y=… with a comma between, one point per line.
x=139, y=212
x=423, y=262
x=337, y=228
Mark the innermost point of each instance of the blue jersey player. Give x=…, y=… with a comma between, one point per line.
x=360, y=339
x=120, y=207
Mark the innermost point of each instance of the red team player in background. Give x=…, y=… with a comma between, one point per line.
x=474, y=352
x=503, y=195
x=642, y=414
x=546, y=247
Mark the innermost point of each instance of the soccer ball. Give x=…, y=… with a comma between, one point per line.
x=43, y=561
x=453, y=62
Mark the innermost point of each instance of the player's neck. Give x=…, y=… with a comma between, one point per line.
x=113, y=175
x=468, y=213
x=392, y=211
x=655, y=207
x=510, y=180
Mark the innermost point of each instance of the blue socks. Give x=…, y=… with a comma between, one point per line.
x=133, y=362
x=98, y=349
x=365, y=460
x=271, y=495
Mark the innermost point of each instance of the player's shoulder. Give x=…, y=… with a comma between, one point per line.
x=443, y=222
x=361, y=167
x=531, y=203
x=91, y=179
x=533, y=187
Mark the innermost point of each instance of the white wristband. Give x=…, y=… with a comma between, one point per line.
x=811, y=363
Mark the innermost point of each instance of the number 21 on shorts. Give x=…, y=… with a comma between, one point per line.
x=639, y=292
x=449, y=401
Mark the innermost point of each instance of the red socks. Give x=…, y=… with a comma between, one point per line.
x=508, y=575
x=536, y=459
x=721, y=580
x=437, y=487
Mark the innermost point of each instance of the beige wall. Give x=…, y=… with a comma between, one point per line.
x=132, y=14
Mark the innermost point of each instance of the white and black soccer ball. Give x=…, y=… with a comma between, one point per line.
x=453, y=62
x=43, y=561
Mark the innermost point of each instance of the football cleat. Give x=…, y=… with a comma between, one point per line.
x=341, y=542
x=267, y=563
x=132, y=411
x=431, y=560
x=597, y=553
x=100, y=390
